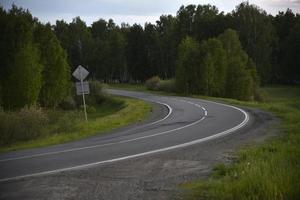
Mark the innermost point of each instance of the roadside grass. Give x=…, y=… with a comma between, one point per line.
x=140, y=88
x=267, y=171
x=65, y=126
x=128, y=86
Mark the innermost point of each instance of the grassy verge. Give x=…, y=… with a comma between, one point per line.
x=267, y=171
x=128, y=86
x=66, y=126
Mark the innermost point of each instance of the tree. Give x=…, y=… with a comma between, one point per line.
x=184, y=22
x=213, y=68
x=136, y=54
x=291, y=60
x=240, y=77
x=167, y=46
x=77, y=40
x=56, y=71
x=108, y=59
x=187, y=66
x=283, y=55
x=256, y=34
x=204, y=22
x=23, y=84
x=21, y=68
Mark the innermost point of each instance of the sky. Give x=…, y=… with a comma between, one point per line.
x=130, y=11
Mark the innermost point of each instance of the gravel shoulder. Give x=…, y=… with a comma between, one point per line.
x=156, y=176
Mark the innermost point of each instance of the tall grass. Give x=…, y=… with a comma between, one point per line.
x=28, y=123
x=269, y=171
x=34, y=127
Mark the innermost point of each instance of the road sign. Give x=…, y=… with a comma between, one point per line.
x=82, y=88
x=80, y=73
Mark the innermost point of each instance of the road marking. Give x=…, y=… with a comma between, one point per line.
x=217, y=135
x=170, y=110
x=107, y=144
x=119, y=142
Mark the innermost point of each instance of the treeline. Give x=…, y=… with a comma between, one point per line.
x=217, y=67
x=34, y=66
x=37, y=58
x=135, y=53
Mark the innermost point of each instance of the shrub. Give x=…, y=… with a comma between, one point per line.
x=96, y=92
x=68, y=103
x=260, y=95
x=167, y=85
x=28, y=123
x=96, y=95
x=67, y=122
x=152, y=83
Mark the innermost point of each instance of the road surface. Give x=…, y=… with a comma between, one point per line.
x=185, y=122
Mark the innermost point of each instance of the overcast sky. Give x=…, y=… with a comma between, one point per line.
x=130, y=11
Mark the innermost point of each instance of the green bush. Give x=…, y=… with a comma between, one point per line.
x=28, y=123
x=96, y=92
x=155, y=83
x=167, y=85
x=152, y=83
x=65, y=122
x=68, y=103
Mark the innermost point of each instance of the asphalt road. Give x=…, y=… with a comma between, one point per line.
x=184, y=122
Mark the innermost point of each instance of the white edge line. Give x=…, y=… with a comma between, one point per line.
x=217, y=135
x=94, y=146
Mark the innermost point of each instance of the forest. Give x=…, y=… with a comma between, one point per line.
x=203, y=50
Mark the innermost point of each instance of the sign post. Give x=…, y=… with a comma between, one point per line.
x=82, y=87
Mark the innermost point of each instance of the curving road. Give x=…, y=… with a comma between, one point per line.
x=185, y=121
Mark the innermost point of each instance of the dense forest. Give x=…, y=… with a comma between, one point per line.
x=206, y=51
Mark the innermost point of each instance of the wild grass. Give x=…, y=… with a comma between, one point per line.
x=63, y=126
x=268, y=171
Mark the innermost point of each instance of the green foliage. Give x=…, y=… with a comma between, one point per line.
x=34, y=66
x=218, y=67
x=187, y=67
x=108, y=59
x=213, y=68
x=152, y=83
x=28, y=123
x=167, y=85
x=68, y=103
x=97, y=95
x=157, y=84
x=291, y=60
x=43, y=128
x=23, y=84
x=21, y=68
x=267, y=171
x=257, y=35
x=56, y=71
x=241, y=75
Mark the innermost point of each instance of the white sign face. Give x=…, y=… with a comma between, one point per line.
x=80, y=73
x=82, y=88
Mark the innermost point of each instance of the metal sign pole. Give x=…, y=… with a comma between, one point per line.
x=83, y=98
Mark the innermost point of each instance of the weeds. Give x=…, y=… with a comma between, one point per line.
x=269, y=171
